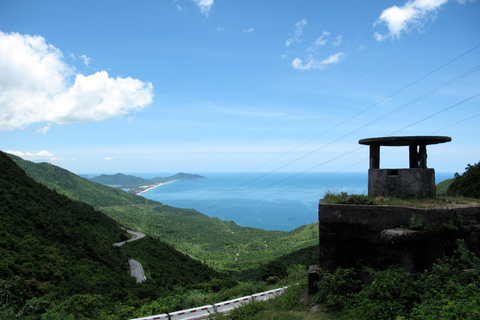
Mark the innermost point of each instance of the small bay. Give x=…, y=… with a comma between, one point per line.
x=271, y=201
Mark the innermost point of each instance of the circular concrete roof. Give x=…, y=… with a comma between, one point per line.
x=405, y=140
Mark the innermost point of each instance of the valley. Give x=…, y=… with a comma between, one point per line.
x=223, y=245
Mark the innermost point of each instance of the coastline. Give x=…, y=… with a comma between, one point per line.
x=154, y=186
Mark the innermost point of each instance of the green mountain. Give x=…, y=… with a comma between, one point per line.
x=468, y=184
x=443, y=186
x=75, y=187
x=222, y=245
x=57, y=258
x=121, y=180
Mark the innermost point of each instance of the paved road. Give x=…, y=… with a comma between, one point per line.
x=136, y=269
x=135, y=236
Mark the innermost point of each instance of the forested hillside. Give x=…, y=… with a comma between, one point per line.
x=222, y=245
x=57, y=257
x=468, y=184
x=75, y=187
x=129, y=181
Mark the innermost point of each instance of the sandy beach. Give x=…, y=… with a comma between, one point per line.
x=154, y=186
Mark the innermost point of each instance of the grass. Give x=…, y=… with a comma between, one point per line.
x=443, y=186
x=438, y=201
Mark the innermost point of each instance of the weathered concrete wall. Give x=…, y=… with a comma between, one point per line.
x=401, y=182
x=377, y=236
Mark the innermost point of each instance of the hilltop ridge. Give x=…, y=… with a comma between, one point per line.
x=58, y=258
x=222, y=245
x=136, y=184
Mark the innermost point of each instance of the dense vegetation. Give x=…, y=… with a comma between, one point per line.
x=442, y=187
x=449, y=290
x=129, y=181
x=222, y=245
x=75, y=187
x=167, y=267
x=468, y=184
x=58, y=262
x=57, y=258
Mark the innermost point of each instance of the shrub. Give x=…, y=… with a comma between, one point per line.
x=336, y=290
x=345, y=198
x=450, y=289
x=391, y=293
x=273, y=280
x=468, y=184
x=273, y=270
x=247, y=312
x=289, y=300
x=297, y=272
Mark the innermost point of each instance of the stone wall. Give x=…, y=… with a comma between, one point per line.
x=377, y=236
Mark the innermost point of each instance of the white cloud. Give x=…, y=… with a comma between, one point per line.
x=321, y=41
x=36, y=86
x=179, y=7
x=44, y=130
x=338, y=41
x=413, y=14
x=248, y=30
x=204, y=5
x=297, y=33
x=108, y=159
x=86, y=60
x=312, y=63
x=30, y=155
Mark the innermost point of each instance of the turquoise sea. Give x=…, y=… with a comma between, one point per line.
x=273, y=201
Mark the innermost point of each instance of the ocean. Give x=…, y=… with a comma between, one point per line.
x=273, y=201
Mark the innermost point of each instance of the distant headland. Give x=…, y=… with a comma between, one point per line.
x=137, y=185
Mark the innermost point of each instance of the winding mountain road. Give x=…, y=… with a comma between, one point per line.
x=135, y=236
x=136, y=269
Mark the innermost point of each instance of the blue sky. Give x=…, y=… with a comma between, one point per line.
x=212, y=85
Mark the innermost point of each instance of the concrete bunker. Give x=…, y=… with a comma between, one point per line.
x=417, y=180
x=376, y=236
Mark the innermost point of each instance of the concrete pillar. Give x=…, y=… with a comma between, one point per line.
x=374, y=156
x=413, y=156
x=423, y=156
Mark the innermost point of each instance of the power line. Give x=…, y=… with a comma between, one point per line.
x=356, y=163
x=355, y=80
x=350, y=118
x=465, y=74
x=335, y=92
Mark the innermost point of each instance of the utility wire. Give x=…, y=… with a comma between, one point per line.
x=351, y=82
x=343, y=122
x=454, y=124
x=465, y=74
x=331, y=95
x=356, y=163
